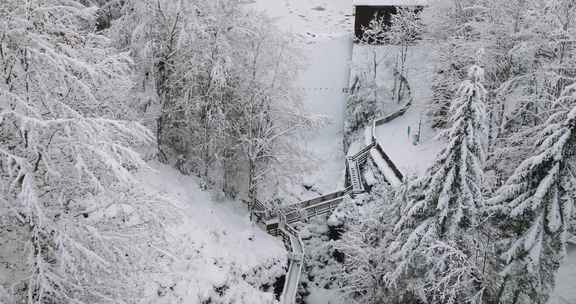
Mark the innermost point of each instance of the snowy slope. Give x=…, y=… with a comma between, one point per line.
x=322, y=86
x=325, y=28
x=310, y=19
x=215, y=252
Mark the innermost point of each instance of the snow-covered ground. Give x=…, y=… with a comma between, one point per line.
x=324, y=29
x=322, y=84
x=215, y=252
x=396, y=137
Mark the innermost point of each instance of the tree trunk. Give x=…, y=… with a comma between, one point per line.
x=252, y=191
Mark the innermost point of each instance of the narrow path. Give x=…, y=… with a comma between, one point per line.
x=296, y=264
x=279, y=224
x=328, y=203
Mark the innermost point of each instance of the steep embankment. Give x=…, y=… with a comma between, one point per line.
x=215, y=254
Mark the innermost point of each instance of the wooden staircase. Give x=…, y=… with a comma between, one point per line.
x=354, y=173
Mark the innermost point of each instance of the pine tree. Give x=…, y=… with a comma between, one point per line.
x=534, y=207
x=446, y=210
x=450, y=70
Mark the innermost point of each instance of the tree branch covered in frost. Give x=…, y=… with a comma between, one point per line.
x=533, y=210
x=67, y=156
x=453, y=274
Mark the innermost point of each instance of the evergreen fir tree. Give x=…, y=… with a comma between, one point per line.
x=447, y=207
x=533, y=211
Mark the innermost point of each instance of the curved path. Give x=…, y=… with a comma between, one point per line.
x=296, y=264
x=278, y=223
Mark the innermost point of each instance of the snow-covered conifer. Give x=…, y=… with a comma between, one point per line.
x=447, y=208
x=534, y=207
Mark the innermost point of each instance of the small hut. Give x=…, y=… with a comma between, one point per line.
x=366, y=10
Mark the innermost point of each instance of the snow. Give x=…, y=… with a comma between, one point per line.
x=310, y=19
x=396, y=136
x=325, y=31
x=385, y=169
x=215, y=245
x=325, y=37
x=322, y=84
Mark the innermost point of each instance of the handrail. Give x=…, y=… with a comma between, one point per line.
x=380, y=121
x=296, y=248
x=388, y=161
x=362, y=152
x=294, y=242
x=319, y=199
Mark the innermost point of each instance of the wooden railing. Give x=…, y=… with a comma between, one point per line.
x=388, y=161
x=363, y=152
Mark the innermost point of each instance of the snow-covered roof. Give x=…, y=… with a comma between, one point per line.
x=390, y=2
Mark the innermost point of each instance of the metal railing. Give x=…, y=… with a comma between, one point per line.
x=295, y=246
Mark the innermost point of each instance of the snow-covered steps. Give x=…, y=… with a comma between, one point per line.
x=354, y=173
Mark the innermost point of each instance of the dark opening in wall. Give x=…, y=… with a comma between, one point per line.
x=364, y=13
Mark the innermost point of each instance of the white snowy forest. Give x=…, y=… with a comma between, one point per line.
x=269, y=151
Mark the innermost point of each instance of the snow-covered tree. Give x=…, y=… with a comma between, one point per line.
x=532, y=62
x=447, y=208
x=365, y=100
x=405, y=29
x=450, y=70
x=221, y=78
x=368, y=233
x=534, y=207
x=266, y=116
x=76, y=224
x=456, y=28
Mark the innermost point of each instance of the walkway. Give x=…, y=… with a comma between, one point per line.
x=279, y=222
